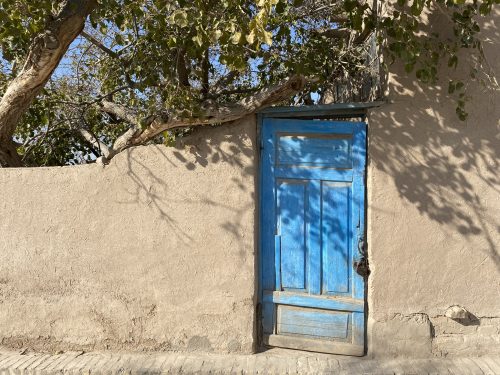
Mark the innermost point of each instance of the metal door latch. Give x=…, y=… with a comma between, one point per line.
x=361, y=266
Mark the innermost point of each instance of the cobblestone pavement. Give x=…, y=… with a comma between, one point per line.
x=274, y=361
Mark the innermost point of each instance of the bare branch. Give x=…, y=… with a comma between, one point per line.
x=334, y=33
x=100, y=45
x=95, y=142
x=121, y=111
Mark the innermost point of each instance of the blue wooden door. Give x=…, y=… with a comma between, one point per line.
x=312, y=225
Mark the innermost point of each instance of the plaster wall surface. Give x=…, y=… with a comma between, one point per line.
x=434, y=215
x=156, y=251
x=152, y=252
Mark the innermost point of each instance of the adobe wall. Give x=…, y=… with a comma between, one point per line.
x=434, y=216
x=152, y=252
x=156, y=251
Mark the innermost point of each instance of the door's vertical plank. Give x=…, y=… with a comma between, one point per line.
x=268, y=204
x=268, y=317
x=358, y=202
x=314, y=237
x=277, y=261
x=291, y=223
x=359, y=146
x=336, y=236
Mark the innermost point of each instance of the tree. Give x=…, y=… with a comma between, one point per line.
x=82, y=79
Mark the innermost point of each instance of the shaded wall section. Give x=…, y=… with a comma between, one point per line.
x=152, y=252
x=434, y=215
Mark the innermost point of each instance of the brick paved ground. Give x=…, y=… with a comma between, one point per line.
x=271, y=362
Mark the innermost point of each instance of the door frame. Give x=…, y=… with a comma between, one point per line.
x=334, y=112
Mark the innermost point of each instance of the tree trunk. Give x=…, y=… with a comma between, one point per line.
x=8, y=154
x=43, y=57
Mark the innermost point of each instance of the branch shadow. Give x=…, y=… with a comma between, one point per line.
x=448, y=169
x=162, y=178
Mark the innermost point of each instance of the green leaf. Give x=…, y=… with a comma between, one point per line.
x=215, y=35
x=119, y=20
x=119, y=39
x=250, y=37
x=236, y=38
x=198, y=40
x=179, y=18
x=268, y=38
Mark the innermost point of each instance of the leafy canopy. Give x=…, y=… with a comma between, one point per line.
x=162, y=57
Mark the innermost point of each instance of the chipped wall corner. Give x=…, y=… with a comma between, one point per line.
x=393, y=335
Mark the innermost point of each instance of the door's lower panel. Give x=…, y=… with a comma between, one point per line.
x=322, y=346
x=312, y=323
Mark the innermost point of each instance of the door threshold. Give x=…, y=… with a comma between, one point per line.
x=311, y=345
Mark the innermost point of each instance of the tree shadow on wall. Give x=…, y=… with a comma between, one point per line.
x=157, y=172
x=448, y=169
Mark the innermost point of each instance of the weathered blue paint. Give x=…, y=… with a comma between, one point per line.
x=314, y=236
x=314, y=174
x=305, y=300
x=267, y=317
x=335, y=152
x=277, y=259
x=291, y=222
x=312, y=219
x=312, y=323
x=335, y=246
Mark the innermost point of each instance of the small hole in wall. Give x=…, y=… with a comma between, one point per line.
x=470, y=320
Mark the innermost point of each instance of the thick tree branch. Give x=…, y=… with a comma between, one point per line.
x=95, y=142
x=182, y=71
x=44, y=56
x=121, y=111
x=220, y=114
x=232, y=92
x=127, y=115
x=211, y=114
x=205, y=67
x=123, y=140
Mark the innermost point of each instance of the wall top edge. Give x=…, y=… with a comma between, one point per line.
x=336, y=109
